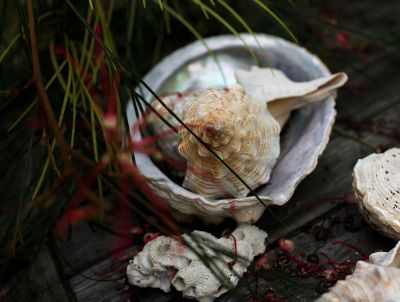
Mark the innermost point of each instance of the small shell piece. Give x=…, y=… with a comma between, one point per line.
x=376, y=184
x=165, y=261
x=240, y=131
x=370, y=282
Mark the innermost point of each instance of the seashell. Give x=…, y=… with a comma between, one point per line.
x=237, y=125
x=282, y=95
x=165, y=261
x=266, y=85
x=240, y=131
x=376, y=184
x=391, y=258
x=192, y=67
x=375, y=281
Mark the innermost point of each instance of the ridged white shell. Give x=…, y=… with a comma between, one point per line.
x=370, y=282
x=376, y=184
x=166, y=261
x=240, y=131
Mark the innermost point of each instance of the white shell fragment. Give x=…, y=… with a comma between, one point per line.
x=240, y=131
x=376, y=184
x=166, y=261
x=378, y=280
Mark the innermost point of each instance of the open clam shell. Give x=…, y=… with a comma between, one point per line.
x=376, y=184
x=194, y=67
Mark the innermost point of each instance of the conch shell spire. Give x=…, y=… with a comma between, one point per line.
x=240, y=131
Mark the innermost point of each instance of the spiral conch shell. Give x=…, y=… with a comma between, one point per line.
x=240, y=131
x=376, y=184
x=240, y=124
x=378, y=280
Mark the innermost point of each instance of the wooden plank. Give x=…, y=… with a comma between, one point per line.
x=331, y=178
x=104, y=281
x=310, y=240
x=371, y=96
x=41, y=283
x=288, y=284
x=85, y=248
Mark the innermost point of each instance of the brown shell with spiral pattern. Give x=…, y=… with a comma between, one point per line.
x=240, y=131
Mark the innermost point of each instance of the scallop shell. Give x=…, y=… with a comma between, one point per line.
x=240, y=131
x=370, y=282
x=376, y=184
x=165, y=261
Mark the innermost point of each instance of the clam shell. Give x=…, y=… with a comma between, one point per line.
x=375, y=281
x=240, y=131
x=376, y=184
x=193, y=67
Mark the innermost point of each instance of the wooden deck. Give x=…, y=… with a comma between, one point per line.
x=368, y=114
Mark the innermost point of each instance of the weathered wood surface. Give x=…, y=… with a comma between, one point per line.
x=368, y=110
x=88, y=252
